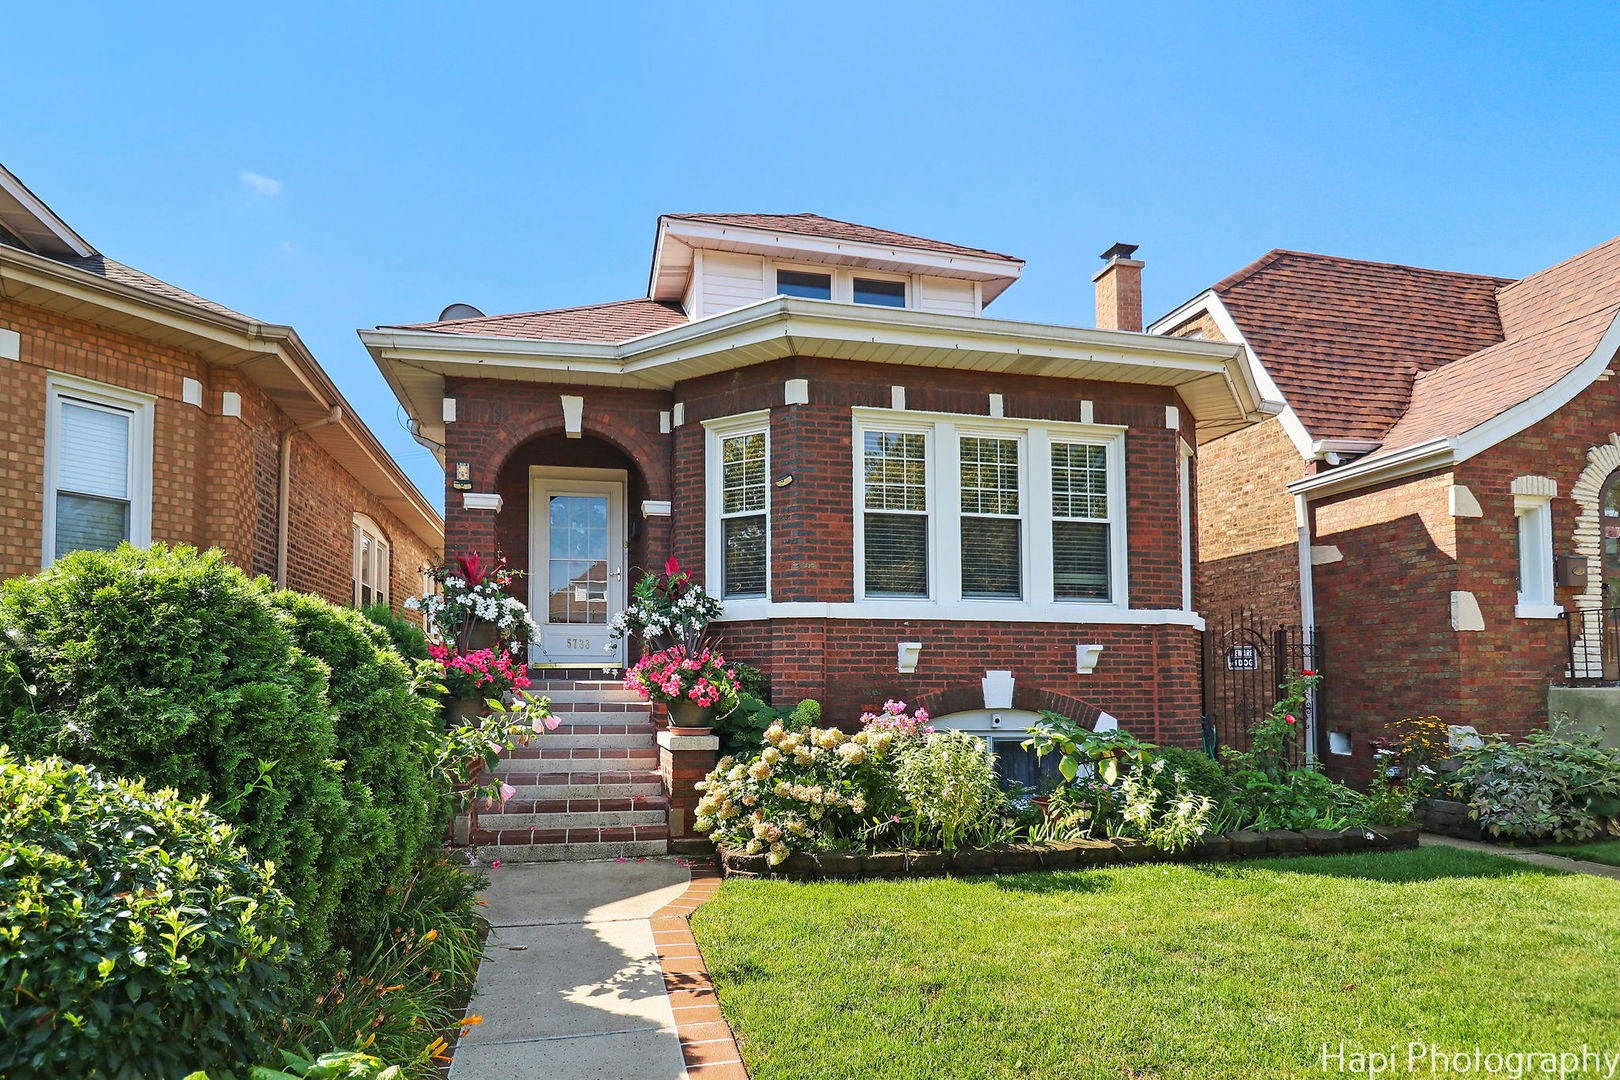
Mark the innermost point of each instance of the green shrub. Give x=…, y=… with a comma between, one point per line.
x=948, y=781
x=409, y=987
x=406, y=637
x=136, y=939
x=339, y=1065
x=1556, y=784
x=172, y=666
x=385, y=736
x=1200, y=773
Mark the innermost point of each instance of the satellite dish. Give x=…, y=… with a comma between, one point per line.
x=460, y=311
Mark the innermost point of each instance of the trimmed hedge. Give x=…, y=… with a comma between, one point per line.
x=384, y=735
x=291, y=714
x=136, y=937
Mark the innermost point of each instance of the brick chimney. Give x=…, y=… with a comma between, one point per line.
x=1119, y=290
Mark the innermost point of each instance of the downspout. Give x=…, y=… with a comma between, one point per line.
x=1307, y=608
x=283, y=495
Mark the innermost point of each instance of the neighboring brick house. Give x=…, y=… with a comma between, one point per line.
x=138, y=411
x=894, y=494
x=1437, y=496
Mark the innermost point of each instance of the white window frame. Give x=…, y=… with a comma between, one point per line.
x=843, y=281
x=381, y=593
x=1020, y=438
x=945, y=601
x=141, y=407
x=716, y=431
x=1532, y=514
x=932, y=508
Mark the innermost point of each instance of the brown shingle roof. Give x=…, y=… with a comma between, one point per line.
x=114, y=271
x=1343, y=338
x=609, y=323
x=832, y=229
x=1554, y=320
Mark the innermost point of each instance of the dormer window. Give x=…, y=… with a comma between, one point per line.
x=881, y=293
x=800, y=283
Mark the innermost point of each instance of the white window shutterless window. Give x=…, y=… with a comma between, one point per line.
x=98, y=467
x=895, y=513
x=744, y=514
x=968, y=512
x=1533, y=518
x=992, y=522
x=371, y=564
x=1081, y=526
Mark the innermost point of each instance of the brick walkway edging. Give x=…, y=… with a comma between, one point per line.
x=707, y=1042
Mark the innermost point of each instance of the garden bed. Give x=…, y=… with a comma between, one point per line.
x=1064, y=855
x=1448, y=818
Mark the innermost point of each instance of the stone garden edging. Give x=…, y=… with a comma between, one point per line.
x=1447, y=818
x=1065, y=855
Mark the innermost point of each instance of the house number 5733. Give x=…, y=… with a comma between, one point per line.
x=579, y=643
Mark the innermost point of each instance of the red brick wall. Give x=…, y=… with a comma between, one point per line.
x=214, y=476
x=1148, y=676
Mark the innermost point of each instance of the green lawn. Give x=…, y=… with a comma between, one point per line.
x=1600, y=851
x=1138, y=972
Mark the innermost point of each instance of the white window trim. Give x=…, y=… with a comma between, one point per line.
x=714, y=476
x=140, y=405
x=1535, y=597
x=383, y=591
x=945, y=600
x=843, y=281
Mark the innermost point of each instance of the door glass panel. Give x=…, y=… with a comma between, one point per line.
x=577, y=577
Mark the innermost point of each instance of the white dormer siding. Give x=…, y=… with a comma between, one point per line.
x=723, y=281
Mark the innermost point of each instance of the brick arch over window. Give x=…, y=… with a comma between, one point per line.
x=1602, y=462
x=970, y=697
x=648, y=450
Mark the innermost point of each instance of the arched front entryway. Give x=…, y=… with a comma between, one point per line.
x=578, y=518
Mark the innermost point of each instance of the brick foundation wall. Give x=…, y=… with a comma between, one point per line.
x=213, y=476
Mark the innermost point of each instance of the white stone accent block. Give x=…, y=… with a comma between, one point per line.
x=1463, y=503
x=449, y=410
x=573, y=407
x=796, y=392
x=480, y=500
x=655, y=508
x=1086, y=657
x=191, y=392
x=1465, y=614
x=1085, y=412
x=1172, y=416
x=997, y=408
x=677, y=415
x=1542, y=486
x=907, y=655
x=897, y=398
x=998, y=689
x=230, y=403
x=670, y=741
x=1322, y=554
x=663, y=423
x=10, y=344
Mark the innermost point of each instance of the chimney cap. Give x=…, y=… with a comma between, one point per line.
x=1121, y=251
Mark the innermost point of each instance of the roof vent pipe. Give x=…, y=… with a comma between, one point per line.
x=1119, y=290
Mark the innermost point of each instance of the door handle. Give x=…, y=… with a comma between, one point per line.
x=618, y=573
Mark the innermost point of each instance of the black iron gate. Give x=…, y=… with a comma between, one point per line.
x=1246, y=659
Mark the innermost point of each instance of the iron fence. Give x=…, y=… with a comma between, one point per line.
x=1246, y=659
x=1593, y=637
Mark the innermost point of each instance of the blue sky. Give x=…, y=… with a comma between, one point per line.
x=335, y=166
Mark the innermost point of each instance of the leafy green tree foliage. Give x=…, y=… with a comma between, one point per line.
x=136, y=937
x=406, y=637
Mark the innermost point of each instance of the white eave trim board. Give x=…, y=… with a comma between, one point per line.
x=35, y=207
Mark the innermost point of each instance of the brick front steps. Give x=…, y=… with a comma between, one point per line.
x=588, y=790
x=1058, y=855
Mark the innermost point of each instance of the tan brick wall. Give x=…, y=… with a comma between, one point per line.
x=213, y=476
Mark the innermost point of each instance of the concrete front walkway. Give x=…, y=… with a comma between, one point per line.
x=1538, y=858
x=570, y=987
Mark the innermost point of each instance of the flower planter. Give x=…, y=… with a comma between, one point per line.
x=460, y=711
x=690, y=718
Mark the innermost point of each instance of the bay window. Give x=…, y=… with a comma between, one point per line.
x=970, y=510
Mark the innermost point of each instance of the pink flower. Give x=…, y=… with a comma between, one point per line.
x=547, y=723
x=495, y=865
x=507, y=791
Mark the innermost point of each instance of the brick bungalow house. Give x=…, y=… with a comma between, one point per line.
x=1439, y=494
x=138, y=411
x=894, y=494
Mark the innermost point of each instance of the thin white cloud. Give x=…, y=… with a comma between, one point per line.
x=262, y=186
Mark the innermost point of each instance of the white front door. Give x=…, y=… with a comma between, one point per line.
x=577, y=571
